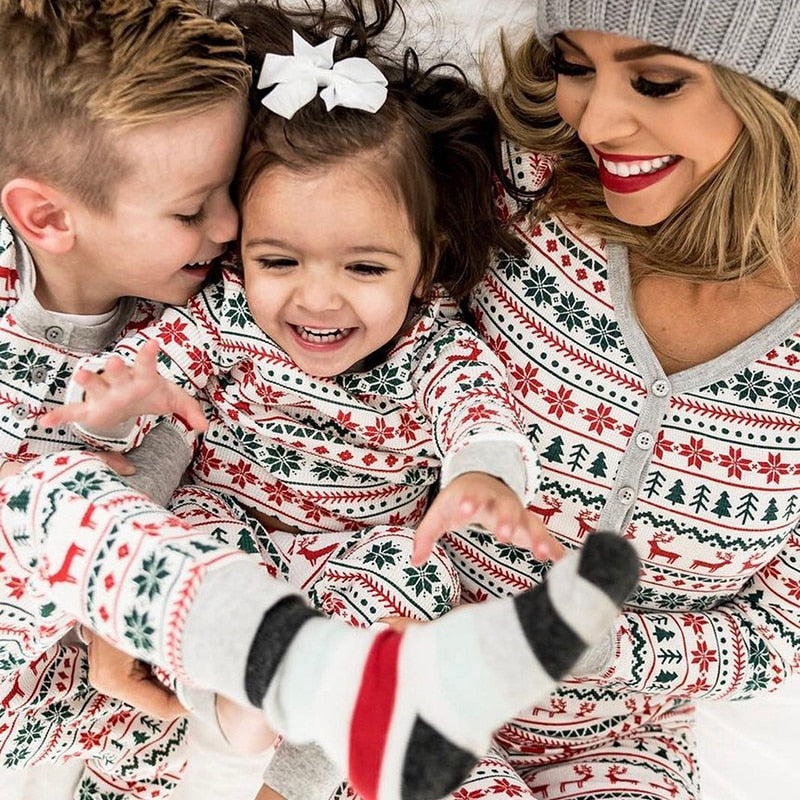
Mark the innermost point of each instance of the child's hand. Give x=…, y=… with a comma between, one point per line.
x=244, y=728
x=116, y=461
x=121, y=393
x=116, y=674
x=480, y=499
x=268, y=793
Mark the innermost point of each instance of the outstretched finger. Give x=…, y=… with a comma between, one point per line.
x=146, y=360
x=532, y=534
x=187, y=408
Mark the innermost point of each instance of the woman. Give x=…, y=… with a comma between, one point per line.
x=651, y=335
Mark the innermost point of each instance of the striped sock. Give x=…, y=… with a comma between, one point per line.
x=406, y=716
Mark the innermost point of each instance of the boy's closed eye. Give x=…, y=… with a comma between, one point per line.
x=190, y=220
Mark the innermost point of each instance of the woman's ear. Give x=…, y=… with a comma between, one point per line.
x=40, y=214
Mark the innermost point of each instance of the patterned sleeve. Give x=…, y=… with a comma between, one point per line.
x=744, y=646
x=525, y=175
x=462, y=388
x=192, y=352
x=9, y=276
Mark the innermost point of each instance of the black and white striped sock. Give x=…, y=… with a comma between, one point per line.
x=406, y=716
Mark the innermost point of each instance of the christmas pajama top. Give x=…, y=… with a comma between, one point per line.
x=699, y=469
x=332, y=454
x=42, y=677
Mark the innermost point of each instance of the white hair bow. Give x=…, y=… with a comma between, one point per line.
x=351, y=82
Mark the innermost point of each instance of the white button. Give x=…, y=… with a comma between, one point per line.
x=644, y=440
x=626, y=495
x=39, y=374
x=54, y=333
x=660, y=388
x=20, y=411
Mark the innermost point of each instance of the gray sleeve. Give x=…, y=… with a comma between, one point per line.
x=302, y=772
x=502, y=459
x=160, y=461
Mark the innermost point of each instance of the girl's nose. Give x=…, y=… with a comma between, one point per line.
x=317, y=293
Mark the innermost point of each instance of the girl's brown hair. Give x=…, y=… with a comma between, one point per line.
x=742, y=218
x=432, y=143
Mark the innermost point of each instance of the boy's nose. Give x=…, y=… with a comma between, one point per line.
x=223, y=221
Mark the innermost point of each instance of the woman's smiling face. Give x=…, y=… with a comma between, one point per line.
x=654, y=121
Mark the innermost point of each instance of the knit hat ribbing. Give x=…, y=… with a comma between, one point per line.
x=758, y=38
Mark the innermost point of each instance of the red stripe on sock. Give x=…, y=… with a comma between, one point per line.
x=372, y=714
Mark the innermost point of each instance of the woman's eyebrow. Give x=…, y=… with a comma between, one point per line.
x=630, y=53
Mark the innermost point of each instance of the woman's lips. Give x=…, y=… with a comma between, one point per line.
x=626, y=174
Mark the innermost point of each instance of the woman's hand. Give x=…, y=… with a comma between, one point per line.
x=116, y=674
x=121, y=393
x=480, y=499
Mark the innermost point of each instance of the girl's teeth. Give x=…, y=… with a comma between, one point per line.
x=321, y=335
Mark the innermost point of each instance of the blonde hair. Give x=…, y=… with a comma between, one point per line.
x=78, y=73
x=745, y=216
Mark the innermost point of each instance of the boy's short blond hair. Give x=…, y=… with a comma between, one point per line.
x=77, y=73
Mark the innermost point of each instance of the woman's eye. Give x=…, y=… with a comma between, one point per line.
x=657, y=88
x=367, y=269
x=563, y=67
x=192, y=219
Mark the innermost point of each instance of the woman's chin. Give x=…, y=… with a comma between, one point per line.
x=638, y=215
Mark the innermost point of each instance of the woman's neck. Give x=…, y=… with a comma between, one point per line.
x=689, y=323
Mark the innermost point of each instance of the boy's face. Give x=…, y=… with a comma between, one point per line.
x=330, y=263
x=169, y=216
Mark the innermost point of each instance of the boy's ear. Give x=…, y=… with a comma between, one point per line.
x=40, y=214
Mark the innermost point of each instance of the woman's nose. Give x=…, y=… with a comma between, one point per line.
x=606, y=116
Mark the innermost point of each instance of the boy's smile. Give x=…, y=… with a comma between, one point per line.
x=330, y=263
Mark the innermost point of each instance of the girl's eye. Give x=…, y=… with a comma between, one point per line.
x=657, y=88
x=191, y=220
x=276, y=263
x=367, y=269
x=563, y=67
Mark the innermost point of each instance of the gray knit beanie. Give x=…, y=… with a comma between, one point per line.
x=758, y=38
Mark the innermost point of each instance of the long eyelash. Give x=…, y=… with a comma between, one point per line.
x=562, y=67
x=275, y=263
x=368, y=269
x=191, y=220
x=652, y=89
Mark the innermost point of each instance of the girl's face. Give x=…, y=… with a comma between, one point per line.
x=654, y=122
x=330, y=263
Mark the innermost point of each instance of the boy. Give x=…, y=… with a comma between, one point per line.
x=120, y=136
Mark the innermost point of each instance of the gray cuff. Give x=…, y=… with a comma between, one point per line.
x=500, y=458
x=302, y=772
x=160, y=462
x=200, y=703
x=596, y=660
